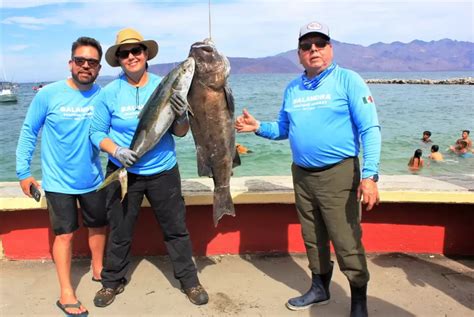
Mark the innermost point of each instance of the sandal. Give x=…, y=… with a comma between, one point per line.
x=63, y=307
x=96, y=280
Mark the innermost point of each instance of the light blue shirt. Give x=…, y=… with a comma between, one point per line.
x=69, y=162
x=327, y=124
x=116, y=117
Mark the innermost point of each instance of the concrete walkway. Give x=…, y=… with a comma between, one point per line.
x=250, y=285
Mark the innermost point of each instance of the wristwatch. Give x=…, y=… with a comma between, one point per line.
x=374, y=177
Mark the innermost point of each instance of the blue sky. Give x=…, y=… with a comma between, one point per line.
x=36, y=35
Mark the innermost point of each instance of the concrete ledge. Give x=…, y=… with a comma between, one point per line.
x=279, y=190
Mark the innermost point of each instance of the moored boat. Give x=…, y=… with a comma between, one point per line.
x=7, y=92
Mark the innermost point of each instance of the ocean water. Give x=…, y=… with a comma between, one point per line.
x=405, y=111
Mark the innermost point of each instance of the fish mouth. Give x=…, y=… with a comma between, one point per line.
x=206, y=45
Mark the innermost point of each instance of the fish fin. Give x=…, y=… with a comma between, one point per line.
x=115, y=176
x=223, y=204
x=236, y=161
x=204, y=168
x=229, y=97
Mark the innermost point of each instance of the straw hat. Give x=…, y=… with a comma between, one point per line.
x=129, y=36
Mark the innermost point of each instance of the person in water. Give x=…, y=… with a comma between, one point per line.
x=426, y=137
x=416, y=162
x=242, y=149
x=457, y=148
x=435, y=155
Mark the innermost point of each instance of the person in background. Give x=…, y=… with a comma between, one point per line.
x=155, y=175
x=461, y=149
x=327, y=113
x=426, y=137
x=71, y=167
x=464, y=137
x=435, y=155
x=242, y=149
x=416, y=162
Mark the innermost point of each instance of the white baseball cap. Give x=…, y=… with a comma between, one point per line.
x=314, y=27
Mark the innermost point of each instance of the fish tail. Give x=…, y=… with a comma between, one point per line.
x=110, y=179
x=223, y=204
x=123, y=178
x=119, y=175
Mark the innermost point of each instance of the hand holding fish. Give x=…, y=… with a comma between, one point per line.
x=246, y=122
x=179, y=105
x=126, y=156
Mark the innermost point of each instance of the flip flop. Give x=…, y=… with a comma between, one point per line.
x=63, y=307
x=96, y=279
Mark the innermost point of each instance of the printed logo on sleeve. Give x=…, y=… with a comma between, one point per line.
x=368, y=99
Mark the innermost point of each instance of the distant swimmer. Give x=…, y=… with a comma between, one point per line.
x=464, y=137
x=435, y=155
x=416, y=162
x=242, y=149
x=426, y=137
x=461, y=149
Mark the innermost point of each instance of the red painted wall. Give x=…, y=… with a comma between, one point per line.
x=392, y=227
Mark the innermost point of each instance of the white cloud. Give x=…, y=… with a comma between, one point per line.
x=239, y=28
x=31, y=23
x=18, y=47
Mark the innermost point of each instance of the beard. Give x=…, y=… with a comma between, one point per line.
x=84, y=78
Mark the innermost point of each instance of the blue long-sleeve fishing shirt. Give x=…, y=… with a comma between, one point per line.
x=69, y=162
x=327, y=124
x=116, y=117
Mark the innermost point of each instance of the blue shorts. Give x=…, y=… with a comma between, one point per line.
x=63, y=210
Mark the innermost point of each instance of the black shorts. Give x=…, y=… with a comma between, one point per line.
x=63, y=209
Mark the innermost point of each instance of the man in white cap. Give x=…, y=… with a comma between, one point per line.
x=327, y=113
x=155, y=175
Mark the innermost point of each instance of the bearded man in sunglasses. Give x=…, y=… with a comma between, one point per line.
x=327, y=113
x=71, y=167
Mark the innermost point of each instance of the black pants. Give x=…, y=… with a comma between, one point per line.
x=163, y=191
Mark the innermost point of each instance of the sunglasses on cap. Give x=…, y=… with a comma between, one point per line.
x=80, y=61
x=137, y=50
x=307, y=45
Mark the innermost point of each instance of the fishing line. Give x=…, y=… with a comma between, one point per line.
x=209, y=2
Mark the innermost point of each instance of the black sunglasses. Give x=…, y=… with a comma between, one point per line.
x=80, y=61
x=137, y=50
x=307, y=45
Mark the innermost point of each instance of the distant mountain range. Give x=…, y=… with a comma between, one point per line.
x=442, y=55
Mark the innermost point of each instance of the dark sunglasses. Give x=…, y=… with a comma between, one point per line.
x=319, y=43
x=80, y=61
x=123, y=54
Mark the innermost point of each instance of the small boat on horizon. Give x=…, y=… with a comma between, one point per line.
x=38, y=88
x=7, y=92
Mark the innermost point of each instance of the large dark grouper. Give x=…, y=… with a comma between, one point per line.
x=156, y=116
x=212, y=123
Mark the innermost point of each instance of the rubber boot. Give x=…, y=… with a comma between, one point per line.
x=359, y=301
x=318, y=294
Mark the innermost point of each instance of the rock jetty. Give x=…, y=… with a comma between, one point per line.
x=450, y=81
